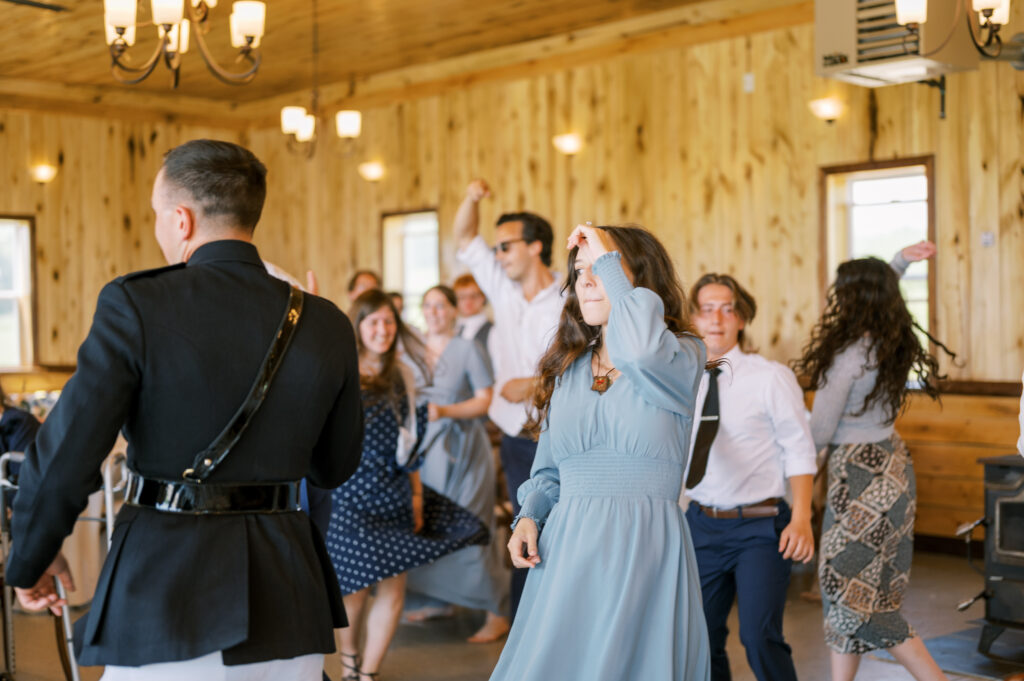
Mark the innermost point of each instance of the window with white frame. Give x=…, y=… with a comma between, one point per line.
x=876, y=212
x=16, y=309
x=411, y=259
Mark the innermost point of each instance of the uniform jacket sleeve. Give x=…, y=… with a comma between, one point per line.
x=62, y=467
x=339, y=447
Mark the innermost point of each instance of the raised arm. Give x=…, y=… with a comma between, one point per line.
x=922, y=250
x=467, y=217
x=665, y=368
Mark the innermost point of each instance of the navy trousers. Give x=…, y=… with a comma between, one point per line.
x=517, y=459
x=739, y=559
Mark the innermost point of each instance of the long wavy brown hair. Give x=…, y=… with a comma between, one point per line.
x=388, y=382
x=865, y=302
x=652, y=269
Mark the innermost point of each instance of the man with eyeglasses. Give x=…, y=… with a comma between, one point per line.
x=753, y=435
x=527, y=301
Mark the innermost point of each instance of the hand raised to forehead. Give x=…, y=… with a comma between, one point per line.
x=592, y=241
x=919, y=251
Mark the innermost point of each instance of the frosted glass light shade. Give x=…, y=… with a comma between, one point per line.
x=911, y=11
x=129, y=33
x=177, y=37
x=348, y=123
x=371, y=171
x=120, y=12
x=237, y=33
x=291, y=119
x=1001, y=14
x=306, y=128
x=168, y=11
x=250, y=16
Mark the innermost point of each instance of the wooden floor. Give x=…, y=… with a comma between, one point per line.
x=436, y=651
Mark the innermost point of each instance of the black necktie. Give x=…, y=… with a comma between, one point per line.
x=705, y=432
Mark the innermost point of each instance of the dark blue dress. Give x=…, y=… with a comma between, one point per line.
x=371, y=536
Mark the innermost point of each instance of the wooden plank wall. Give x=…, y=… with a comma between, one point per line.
x=727, y=179
x=93, y=222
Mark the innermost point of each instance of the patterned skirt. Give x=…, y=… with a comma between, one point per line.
x=867, y=543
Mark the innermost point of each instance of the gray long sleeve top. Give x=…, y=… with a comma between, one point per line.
x=836, y=416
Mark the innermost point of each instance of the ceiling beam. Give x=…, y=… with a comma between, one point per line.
x=692, y=24
x=121, y=103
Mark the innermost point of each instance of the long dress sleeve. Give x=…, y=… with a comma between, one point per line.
x=540, y=493
x=830, y=400
x=665, y=368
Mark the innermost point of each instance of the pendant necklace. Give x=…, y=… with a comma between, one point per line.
x=601, y=381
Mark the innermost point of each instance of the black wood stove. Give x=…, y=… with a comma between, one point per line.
x=1004, y=547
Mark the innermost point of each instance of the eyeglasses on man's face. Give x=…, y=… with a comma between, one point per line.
x=504, y=246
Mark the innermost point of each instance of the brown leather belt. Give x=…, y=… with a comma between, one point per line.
x=762, y=509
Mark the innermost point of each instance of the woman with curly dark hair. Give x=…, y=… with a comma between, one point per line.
x=613, y=590
x=861, y=355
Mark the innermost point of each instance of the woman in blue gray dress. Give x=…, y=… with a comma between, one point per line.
x=459, y=463
x=861, y=355
x=613, y=590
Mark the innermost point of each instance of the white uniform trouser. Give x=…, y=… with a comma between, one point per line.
x=212, y=668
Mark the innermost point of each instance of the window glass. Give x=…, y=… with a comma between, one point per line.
x=16, y=341
x=411, y=260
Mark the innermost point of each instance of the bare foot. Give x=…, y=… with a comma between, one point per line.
x=494, y=628
x=431, y=613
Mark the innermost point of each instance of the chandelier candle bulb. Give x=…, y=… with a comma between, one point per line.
x=250, y=16
x=111, y=30
x=349, y=124
x=306, y=128
x=911, y=11
x=120, y=13
x=1001, y=14
x=291, y=119
x=168, y=11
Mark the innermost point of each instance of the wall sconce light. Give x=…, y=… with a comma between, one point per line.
x=371, y=171
x=827, y=109
x=43, y=172
x=569, y=143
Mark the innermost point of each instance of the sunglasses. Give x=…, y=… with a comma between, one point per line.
x=504, y=246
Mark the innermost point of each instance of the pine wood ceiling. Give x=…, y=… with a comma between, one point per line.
x=357, y=37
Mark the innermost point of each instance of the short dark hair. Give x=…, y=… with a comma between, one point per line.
x=743, y=302
x=360, y=273
x=223, y=178
x=535, y=228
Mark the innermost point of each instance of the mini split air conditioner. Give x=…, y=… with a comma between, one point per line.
x=859, y=41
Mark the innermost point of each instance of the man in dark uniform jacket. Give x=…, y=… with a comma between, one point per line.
x=171, y=355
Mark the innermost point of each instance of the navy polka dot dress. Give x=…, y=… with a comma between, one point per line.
x=371, y=536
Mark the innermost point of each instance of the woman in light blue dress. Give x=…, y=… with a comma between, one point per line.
x=613, y=591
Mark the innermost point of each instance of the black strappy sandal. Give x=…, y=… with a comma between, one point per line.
x=373, y=675
x=350, y=672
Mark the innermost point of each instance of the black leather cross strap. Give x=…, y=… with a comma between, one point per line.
x=192, y=497
x=211, y=457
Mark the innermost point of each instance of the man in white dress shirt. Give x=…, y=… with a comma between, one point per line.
x=527, y=300
x=752, y=436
